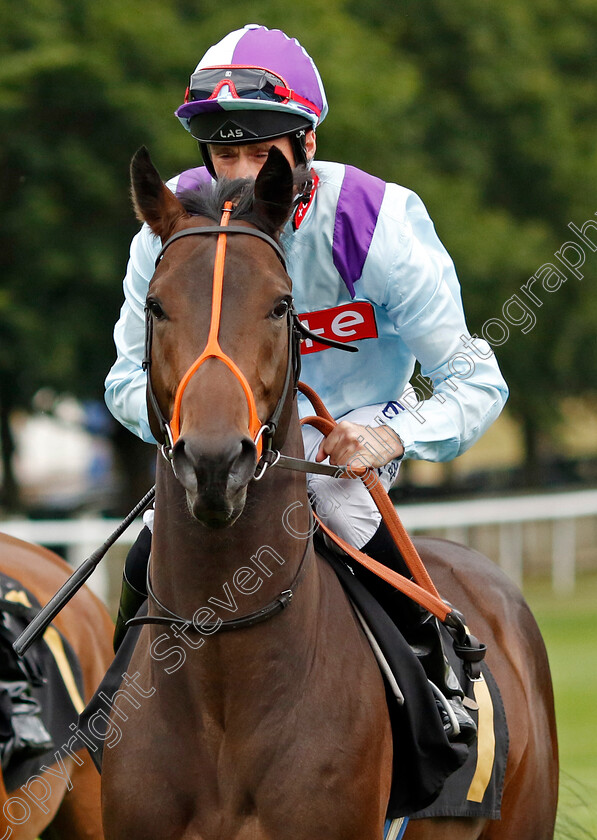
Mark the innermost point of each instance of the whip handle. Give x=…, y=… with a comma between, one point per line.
x=70, y=587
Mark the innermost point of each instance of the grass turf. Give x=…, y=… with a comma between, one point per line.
x=569, y=627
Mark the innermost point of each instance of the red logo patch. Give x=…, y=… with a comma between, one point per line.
x=346, y=323
x=305, y=202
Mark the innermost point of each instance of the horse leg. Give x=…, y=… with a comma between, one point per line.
x=530, y=801
x=79, y=817
x=27, y=810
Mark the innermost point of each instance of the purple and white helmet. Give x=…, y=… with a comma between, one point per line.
x=255, y=84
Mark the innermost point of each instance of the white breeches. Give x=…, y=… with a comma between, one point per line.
x=344, y=504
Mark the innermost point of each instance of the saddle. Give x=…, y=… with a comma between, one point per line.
x=431, y=777
x=22, y=732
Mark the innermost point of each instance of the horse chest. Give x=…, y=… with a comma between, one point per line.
x=269, y=771
x=193, y=804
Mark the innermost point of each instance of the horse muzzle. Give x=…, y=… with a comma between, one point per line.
x=215, y=477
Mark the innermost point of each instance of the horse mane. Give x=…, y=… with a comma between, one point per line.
x=208, y=199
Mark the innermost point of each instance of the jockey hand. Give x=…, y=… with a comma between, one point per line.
x=360, y=446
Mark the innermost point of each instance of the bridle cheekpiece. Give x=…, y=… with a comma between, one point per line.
x=261, y=433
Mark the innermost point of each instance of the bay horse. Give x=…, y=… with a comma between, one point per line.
x=65, y=801
x=278, y=727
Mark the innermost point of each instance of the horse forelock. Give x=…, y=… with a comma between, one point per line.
x=208, y=200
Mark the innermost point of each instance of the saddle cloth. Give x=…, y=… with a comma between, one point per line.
x=57, y=684
x=474, y=788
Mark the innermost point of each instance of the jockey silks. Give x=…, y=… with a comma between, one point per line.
x=367, y=267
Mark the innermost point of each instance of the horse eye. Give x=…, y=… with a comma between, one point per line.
x=156, y=310
x=280, y=310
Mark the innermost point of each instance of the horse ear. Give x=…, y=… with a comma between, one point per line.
x=154, y=203
x=274, y=189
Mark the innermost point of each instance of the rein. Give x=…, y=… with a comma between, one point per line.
x=421, y=588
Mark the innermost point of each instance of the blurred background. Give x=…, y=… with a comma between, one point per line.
x=488, y=111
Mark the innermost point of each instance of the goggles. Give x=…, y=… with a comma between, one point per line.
x=243, y=83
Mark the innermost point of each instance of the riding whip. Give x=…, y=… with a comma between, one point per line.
x=70, y=587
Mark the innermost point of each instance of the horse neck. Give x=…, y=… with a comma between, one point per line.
x=192, y=564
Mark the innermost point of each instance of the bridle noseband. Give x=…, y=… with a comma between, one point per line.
x=262, y=433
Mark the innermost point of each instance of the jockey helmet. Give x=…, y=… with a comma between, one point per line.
x=255, y=84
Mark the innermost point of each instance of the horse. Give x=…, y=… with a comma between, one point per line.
x=63, y=800
x=272, y=722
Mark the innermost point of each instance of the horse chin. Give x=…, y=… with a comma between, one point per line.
x=216, y=515
x=215, y=479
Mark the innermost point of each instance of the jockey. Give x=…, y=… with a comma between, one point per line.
x=366, y=267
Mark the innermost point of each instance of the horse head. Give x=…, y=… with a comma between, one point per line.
x=217, y=359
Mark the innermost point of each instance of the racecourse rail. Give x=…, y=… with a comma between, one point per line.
x=76, y=539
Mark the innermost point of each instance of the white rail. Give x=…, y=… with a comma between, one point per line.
x=79, y=537
x=76, y=539
x=510, y=514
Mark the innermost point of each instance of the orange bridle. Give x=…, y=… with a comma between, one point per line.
x=423, y=590
x=212, y=350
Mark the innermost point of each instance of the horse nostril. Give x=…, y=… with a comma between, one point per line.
x=248, y=449
x=183, y=466
x=243, y=465
x=201, y=465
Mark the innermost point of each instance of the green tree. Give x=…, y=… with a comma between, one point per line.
x=81, y=87
x=501, y=145
x=486, y=110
